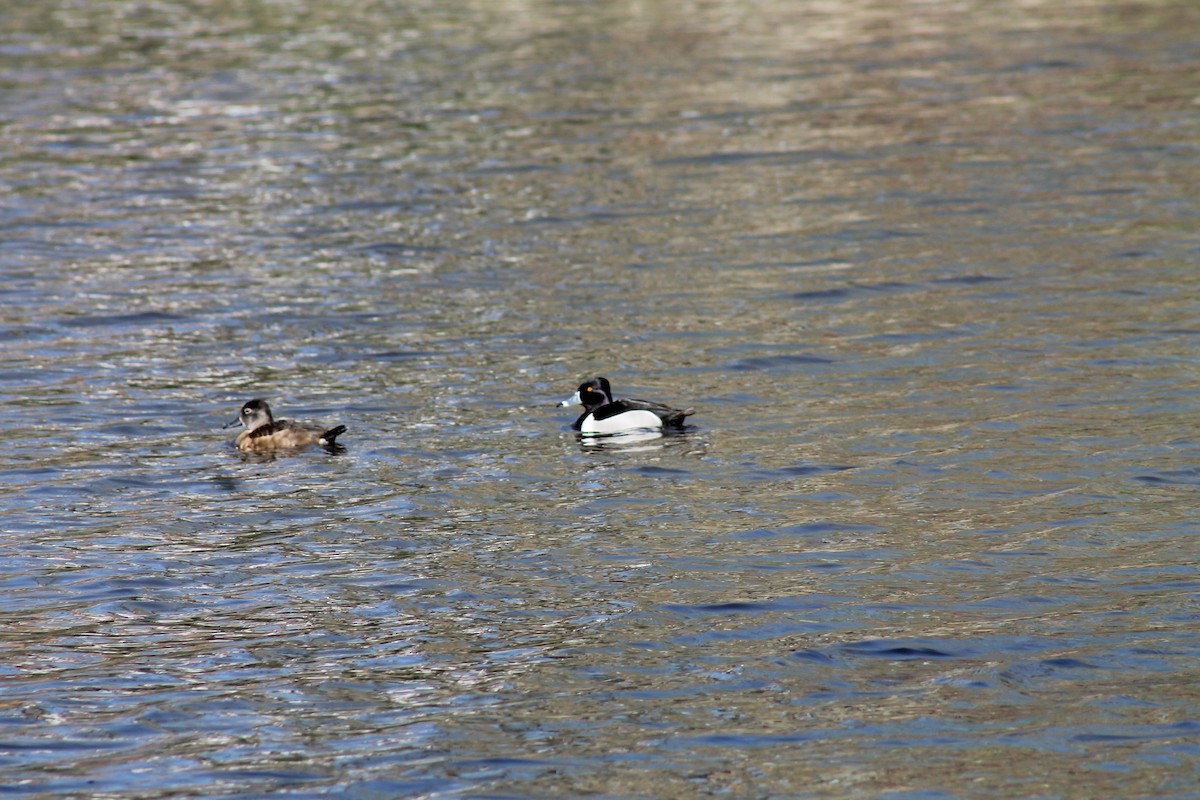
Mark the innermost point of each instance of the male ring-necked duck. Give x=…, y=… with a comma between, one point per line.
x=603, y=414
x=264, y=433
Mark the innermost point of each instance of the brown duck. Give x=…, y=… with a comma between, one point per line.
x=263, y=433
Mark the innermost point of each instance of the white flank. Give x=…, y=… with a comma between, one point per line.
x=628, y=421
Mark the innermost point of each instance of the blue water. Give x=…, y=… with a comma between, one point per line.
x=927, y=274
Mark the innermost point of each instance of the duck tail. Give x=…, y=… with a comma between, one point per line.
x=677, y=419
x=329, y=437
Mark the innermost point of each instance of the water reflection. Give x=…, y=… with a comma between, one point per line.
x=629, y=440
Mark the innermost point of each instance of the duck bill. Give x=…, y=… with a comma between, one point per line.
x=236, y=421
x=573, y=400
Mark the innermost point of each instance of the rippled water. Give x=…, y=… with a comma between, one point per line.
x=927, y=271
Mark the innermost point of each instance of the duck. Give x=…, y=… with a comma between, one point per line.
x=263, y=433
x=602, y=414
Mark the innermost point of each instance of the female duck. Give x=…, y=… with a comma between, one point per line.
x=263, y=433
x=602, y=414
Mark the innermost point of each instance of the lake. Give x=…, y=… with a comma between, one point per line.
x=927, y=272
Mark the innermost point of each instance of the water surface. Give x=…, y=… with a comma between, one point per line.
x=927, y=272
